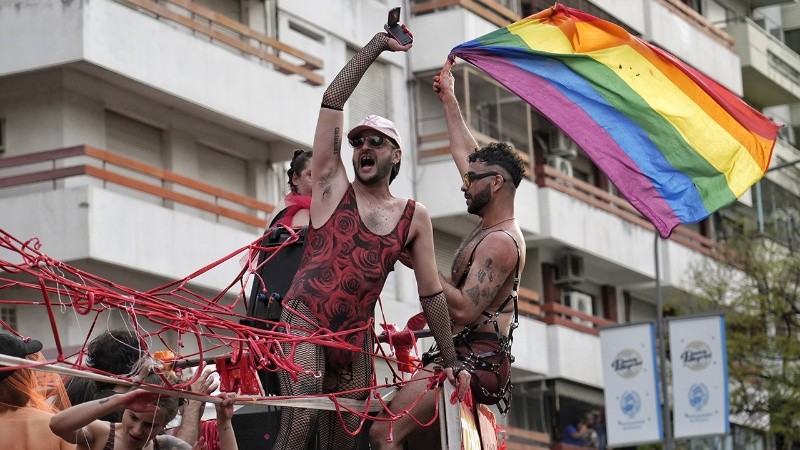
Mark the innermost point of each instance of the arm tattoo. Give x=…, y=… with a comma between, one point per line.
x=474, y=294
x=105, y=400
x=486, y=271
x=336, y=141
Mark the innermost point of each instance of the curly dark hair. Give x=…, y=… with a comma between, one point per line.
x=503, y=155
x=114, y=351
x=299, y=162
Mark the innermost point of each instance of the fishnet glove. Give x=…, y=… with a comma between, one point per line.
x=436, y=312
x=348, y=78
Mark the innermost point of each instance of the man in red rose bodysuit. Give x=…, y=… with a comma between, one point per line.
x=358, y=231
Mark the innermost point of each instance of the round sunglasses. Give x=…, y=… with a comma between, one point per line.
x=374, y=141
x=469, y=177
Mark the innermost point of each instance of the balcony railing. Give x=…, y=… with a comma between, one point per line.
x=491, y=10
x=437, y=146
x=522, y=439
x=549, y=177
x=66, y=163
x=697, y=20
x=529, y=303
x=558, y=314
x=235, y=35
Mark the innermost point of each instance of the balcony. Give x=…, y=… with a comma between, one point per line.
x=174, y=52
x=87, y=198
x=465, y=20
x=770, y=69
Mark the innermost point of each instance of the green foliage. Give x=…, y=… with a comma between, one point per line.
x=757, y=287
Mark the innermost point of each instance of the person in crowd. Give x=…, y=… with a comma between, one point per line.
x=145, y=415
x=357, y=232
x=581, y=434
x=600, y=428
x=481, y=289
x=298, y=200
x=113, y=352
x=24, y=411
x=191, y=411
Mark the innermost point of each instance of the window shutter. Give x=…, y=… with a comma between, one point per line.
x=222, y=169
x=133, y=139
x=230, y=8
x=445, y=246
x=372, y=94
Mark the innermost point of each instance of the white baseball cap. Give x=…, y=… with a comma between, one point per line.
x=379, y=124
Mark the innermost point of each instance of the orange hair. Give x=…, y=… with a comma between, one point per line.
x=29, y=387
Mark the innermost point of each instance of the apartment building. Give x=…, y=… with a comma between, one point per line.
x=143, y=139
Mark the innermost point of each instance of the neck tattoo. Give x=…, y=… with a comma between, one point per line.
x=498, y=223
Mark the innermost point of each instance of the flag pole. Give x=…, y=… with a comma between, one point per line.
x=662, y=350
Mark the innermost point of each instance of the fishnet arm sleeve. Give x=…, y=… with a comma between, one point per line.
x=346, y=81
x=436, y=312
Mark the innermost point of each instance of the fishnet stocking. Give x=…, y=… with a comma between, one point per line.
x=357, y=375
x=346, y=81
x=297, y=423
x=435, y=309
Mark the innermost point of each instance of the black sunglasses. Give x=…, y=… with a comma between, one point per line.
x=374, y=141
x=469, y=177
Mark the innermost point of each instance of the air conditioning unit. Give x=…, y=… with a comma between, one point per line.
x=559, y=144
x=569, y=269
x=561, y=164
x=580, y=301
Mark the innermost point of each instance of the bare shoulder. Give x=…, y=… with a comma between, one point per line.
x=420, y=222
x=165, y=441
x=421, y=211
x=499, y=245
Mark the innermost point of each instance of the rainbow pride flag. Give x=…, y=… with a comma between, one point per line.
x=677, y=144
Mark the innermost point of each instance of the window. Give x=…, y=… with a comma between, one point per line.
x=372, y=96
x=230, y=8
x=532, y=406
x=222, y=169
x=133, y=139
x=792, y=39
x=8, y=316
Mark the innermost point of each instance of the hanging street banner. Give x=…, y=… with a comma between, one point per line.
x=633, y=406
x=699, y=376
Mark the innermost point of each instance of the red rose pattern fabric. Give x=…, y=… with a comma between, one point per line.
x=343, y=269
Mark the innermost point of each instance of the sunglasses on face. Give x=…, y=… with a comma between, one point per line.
x=469, y=177
x=374, y=141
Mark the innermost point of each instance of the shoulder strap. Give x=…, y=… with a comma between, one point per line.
x=514, y=287
x=514, y=295
x=110, y=440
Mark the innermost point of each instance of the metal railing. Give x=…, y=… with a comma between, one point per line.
x=66, y=163
x=235, y=35
x=491, y=10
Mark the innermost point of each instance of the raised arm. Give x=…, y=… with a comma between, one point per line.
x=432, y=298
x=227, y=438
x=189, y=429
x=327, y=168
x=462, y=143
x=79, y=423
x=495, y=259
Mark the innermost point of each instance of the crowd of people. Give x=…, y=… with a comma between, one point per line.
x=357, y=231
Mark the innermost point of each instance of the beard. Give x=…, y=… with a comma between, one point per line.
x=383, y=170
x=479, y=200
